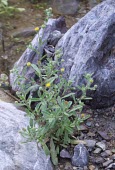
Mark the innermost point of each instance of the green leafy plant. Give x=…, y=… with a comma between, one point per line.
x=55, y=116
x=8, y=10
x=55, y=111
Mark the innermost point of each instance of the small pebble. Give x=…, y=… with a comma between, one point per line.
x=113, y=150
x=83, y=128
x=101, y=145
x=99, y=160
x=65, y=154
x=61, y=166
x=113, y=156
x=97, y=124
x=88, y=123
x=91, y=167
x=90, y=143
x=107, y=163
x=97, y=150
x=104, y=135
x=106, y=153
x=111, y=166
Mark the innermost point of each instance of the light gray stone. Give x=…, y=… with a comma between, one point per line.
x=15, y=155
x=97, y=150
x=90, y=143
x=65, y=154
x=89, y=47
x=101, y=145
x=106, y=153
x=111, y=166
x=107, y=163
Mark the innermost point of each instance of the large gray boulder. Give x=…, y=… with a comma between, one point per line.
x=30, y=55
x=15, y=155
x=89, y=47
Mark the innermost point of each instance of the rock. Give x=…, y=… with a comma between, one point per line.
x=65, y=7
x=54, y=37
x=113, y=150
x=106, y=153
x=111, y=166
x=83, y=128
x=101, y=145
x=91, y=167
x=43, y=163
x=89, y=123
x=49, y=51
x=65, y=154
x=97, y=124
x=78, y=168
x=97, y=150
x=81, y=156
x=99, y=160
x=113, y=157
x=90, y=143
x=104, y=135
x=31, y=56
x=24, y=33
x=88, y=47
x=15, y=155
x=105, y=164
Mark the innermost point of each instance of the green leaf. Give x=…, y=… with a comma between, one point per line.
x=66, y=114
x=57, y=149
x=66, y=138
x=88, y=98
x=46, y=149
x=5, y=2
x=32, y=88
x=65, y=146
x=55, y=107
x=36, y=69
x=51, y=80
x=75, y=108
x=59, y=100
x=68, y=95
x=69, y=129
x=31, y=122
x=53, y=152
x=51, y=119
x=35, y=99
